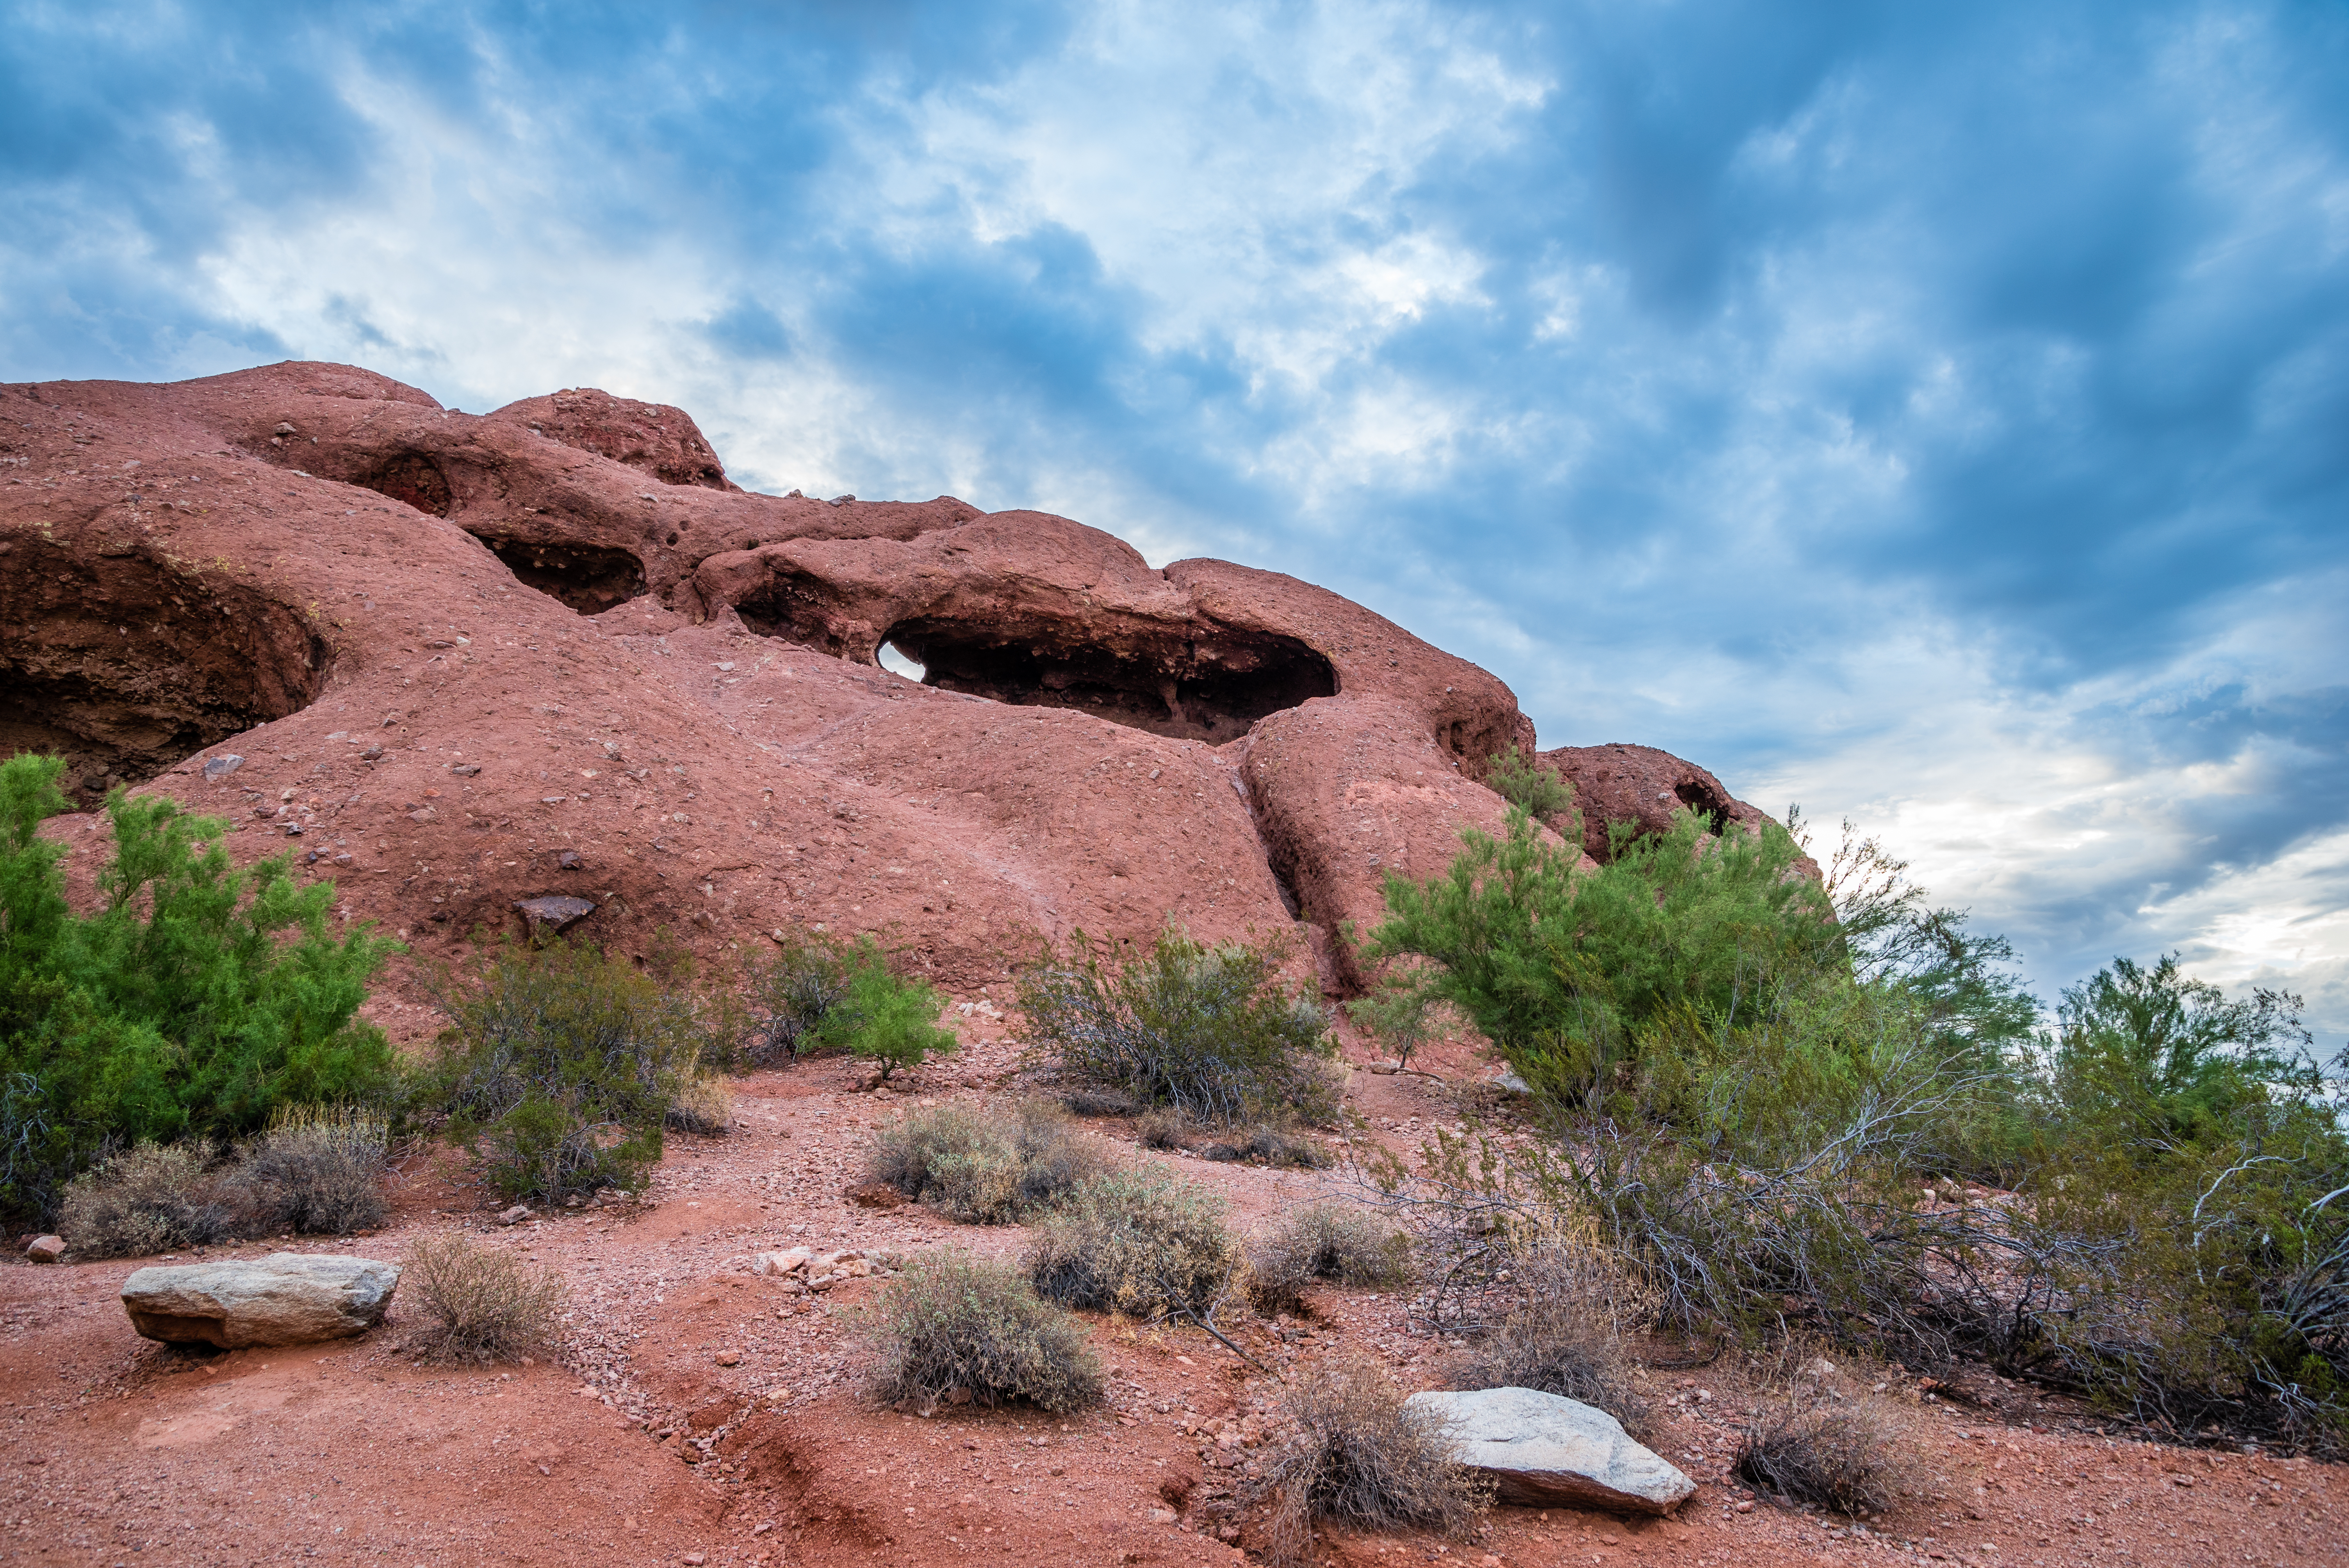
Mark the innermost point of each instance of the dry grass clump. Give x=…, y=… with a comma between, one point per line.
x=704, y=1105
x=1272, y=1145
x=1325, y=1242
x=1853, y=1458
x=1359, y=1458
x=1563, y=1336
x=954, y=1329
x=318, y=1169
x=480, y=1304
x=1099, y=1102
x=1138, y=1242
x=154, y=1198
x=984, y=1167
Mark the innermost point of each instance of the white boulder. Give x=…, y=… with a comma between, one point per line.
x=1552, y=1452
x=286, y=1298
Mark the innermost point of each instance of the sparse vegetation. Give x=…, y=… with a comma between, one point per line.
x=1564, y=1334
x=317, y=1169
x=1138, y=1242
x=1361, y=1458
x=197, y=1001
x=1324, y=1242
x=1854, y=1458
x=153, y=1198
x=984, y=1167
x=957, y=1329
x=478, y=1304
x=1206, y=1032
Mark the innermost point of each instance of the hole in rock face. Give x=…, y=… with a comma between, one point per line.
x=590, y=578
x=1210, y=687
x=897, y=664
x=1698, y=798
x=413, y=479
x=123, y=667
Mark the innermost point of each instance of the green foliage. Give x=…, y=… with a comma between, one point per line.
x=1537, y=791
x=1204, y=1031
x=2163, y=1058
x=562, y=1067
x=983, y=1166
x=1401, y=1012
x=1138, y=1242
x=1562, y=969
x=197, y=1001
x=952, y=1327
x=815, y=994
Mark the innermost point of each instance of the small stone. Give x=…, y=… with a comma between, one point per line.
x=219, y=768
x=729, y=1358
x=466, y=770
x=1386, y=1067
x=555, y=910
x=423, y=814
x=775, y=1265
x=515, y=1215
x=283, y=429
x=46, y=1249
x=569, y=861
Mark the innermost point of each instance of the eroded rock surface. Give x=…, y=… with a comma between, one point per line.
x=467, y=659
x=1548, y=1450
x=286, y=1298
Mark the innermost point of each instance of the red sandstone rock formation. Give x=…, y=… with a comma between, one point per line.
x=472, y=660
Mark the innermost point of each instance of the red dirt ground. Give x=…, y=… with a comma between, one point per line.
x=118, y=1451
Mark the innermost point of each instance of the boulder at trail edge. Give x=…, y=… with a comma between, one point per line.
x=286, y=1298
x=1552, y=1452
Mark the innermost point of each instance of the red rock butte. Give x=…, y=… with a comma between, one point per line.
x=470, y=661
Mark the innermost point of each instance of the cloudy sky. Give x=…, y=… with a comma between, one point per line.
x=1935, y=414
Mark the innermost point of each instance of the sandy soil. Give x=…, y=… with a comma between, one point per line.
x=698, y=1414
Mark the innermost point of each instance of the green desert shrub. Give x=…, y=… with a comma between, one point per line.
x=197, y=1000
x=1137, y=1242
x=1333, y=1242
x=153, y=1198
x=561, y=1067
x=988, y=1166
x=954, y=1329
x=1359, y=1458
x=1532, y=788
x=1562, y=968
x=476, y=1304
x=1206, y=1031
x=317, y=1169
x=816, y=994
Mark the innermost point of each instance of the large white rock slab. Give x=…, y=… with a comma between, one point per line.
x=1552, y=1452
x=286, y=1298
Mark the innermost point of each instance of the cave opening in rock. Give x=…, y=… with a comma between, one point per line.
x=1705, y=803
x=413, y=480
x=124, y=666
x=1209, y=686
x=590, y=578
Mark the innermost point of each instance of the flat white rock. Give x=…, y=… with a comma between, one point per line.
x=286, y=1298
x=1549, y=1450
